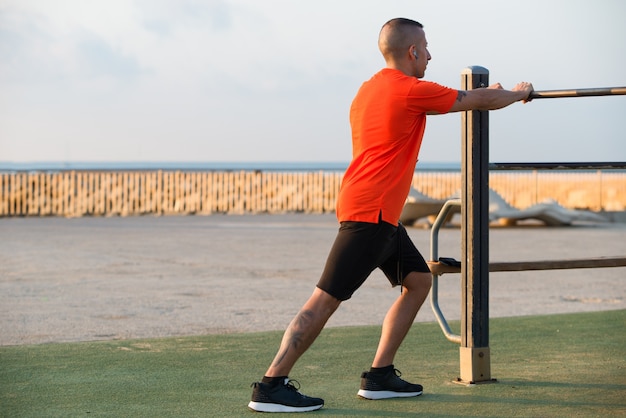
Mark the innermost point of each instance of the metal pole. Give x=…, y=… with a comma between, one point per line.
x=474, y=350
x=604, y=91
x=615, y=165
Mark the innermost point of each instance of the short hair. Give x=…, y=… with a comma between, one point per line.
x=395, y=36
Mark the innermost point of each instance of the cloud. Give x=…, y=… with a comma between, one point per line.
x=97, y=58
x=59, y=48
x=26, y=48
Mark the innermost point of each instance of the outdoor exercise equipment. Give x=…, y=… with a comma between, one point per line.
x=475, y=359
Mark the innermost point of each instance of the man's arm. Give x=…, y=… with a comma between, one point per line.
x=491, y=98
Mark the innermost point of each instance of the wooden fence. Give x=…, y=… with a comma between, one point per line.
x=102, y=193
x=591, y=190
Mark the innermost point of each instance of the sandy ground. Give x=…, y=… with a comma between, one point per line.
x=116, y=278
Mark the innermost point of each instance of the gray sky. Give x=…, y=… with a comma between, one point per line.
x=272, y=80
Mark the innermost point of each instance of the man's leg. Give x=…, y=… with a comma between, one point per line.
x=383, y=381
x=401, y=315
x=275, y=393
x=302, y=331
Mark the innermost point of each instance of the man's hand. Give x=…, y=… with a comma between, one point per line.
x=526, y=88
x=522, y=87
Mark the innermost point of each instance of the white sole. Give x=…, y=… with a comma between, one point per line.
x=385, y=394
x=275, y=407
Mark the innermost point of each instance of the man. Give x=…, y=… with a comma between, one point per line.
x=387, y=117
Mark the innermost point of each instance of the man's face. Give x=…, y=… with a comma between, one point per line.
x=423, y=56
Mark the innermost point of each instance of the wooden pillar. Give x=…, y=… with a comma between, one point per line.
x=474, y=352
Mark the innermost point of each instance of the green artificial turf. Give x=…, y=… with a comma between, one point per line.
x=557, y=365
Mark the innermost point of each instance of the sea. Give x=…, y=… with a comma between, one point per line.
x=282, y=166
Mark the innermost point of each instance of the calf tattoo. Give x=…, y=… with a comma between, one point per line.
x=294, y=336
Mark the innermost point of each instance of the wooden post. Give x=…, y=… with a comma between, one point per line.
x=474, y=352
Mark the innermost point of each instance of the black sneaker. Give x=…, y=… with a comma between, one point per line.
x=282, y=398
x=374, y=386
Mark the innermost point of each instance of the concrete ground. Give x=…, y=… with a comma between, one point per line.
x=137, y=277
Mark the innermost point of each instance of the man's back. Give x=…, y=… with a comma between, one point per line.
x=388, y=118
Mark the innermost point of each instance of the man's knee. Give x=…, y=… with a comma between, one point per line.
x=323, y=301
x=418, y=281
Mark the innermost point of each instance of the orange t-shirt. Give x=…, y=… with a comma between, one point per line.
x=388, y=118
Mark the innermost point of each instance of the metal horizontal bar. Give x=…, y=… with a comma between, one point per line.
x=614, y=165
x=604, y=91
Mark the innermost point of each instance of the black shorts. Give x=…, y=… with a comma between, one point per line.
x=360, y=248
